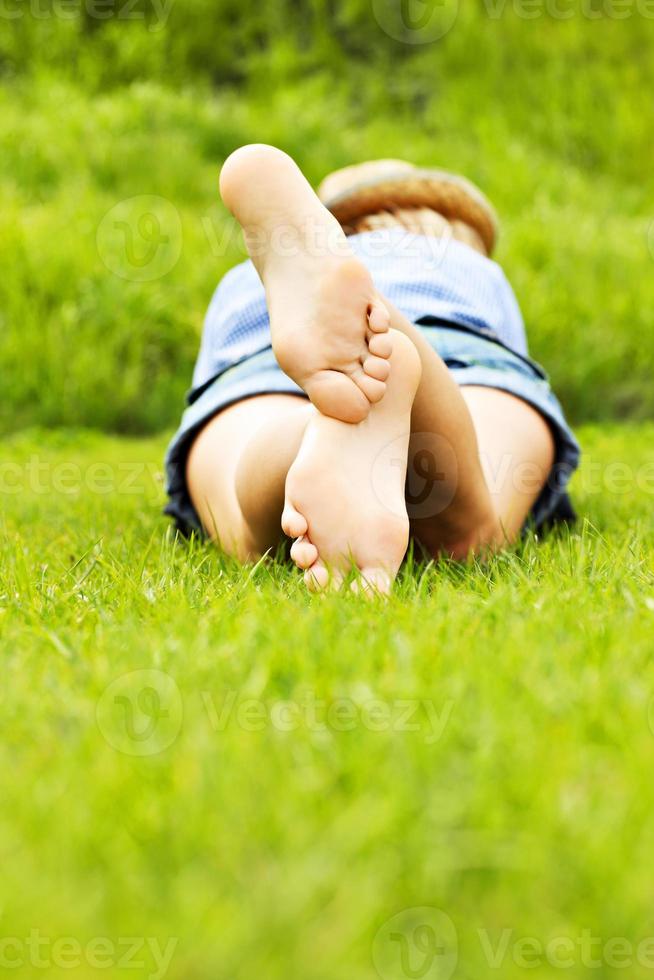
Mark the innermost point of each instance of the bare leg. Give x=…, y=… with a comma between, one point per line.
x=239, y=462
x=345, y=490
x=478, y=459
x=237, y=468
x=463, y=510
x=310, y=289
x=516, y=449
x=344, y=483
x=328, y=325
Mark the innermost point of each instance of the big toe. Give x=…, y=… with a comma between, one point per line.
x=338, y=396
x=373, y=581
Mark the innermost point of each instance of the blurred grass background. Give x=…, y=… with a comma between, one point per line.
x=102, y=104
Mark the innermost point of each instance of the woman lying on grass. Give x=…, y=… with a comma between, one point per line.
x=369, y=336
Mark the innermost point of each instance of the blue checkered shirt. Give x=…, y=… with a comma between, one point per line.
x=422, y=276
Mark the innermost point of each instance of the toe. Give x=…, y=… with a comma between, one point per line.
x=316, y=578
x=336, y=580
x=304, y=553
x=333, y=394
x=293, y=523
x=380, y=344
x=379, y=319
x=373, y=389
x=377, y=367
x=373, y=581
x=319, y=578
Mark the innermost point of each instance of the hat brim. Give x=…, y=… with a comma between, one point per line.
x=456, y=198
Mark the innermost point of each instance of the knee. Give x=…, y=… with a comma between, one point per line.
x=242, y=168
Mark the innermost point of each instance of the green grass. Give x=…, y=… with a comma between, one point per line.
x=521, y=800
x=176, y=804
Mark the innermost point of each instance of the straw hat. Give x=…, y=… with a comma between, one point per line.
x=365, y=189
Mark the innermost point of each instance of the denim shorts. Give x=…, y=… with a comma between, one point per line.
x=472, y=357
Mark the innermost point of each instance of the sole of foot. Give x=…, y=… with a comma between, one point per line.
x=345, y=501
x=331, y=334
x=329, y=325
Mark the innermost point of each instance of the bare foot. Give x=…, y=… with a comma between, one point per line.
x=330, y=333
x=329, y=326
x=345, y=491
